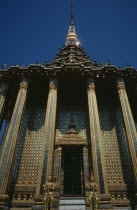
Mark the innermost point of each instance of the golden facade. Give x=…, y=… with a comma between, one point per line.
x=69, y=133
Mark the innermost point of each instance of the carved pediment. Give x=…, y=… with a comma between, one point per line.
x=71, y=139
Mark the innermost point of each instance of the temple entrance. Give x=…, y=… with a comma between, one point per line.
x=72, y=165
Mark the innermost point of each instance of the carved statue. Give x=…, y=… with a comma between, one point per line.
x=49, y=192
x=93, y=193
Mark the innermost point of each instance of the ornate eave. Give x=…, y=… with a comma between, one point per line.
x=95, y=71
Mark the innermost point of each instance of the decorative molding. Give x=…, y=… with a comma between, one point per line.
x=121, y=84
x=53, y=84
x=90, y=84
x=24, y=84
x=72, y=139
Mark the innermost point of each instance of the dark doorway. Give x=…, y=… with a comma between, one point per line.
x=73, y=170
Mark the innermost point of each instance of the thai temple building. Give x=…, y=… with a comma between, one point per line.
x=69, y=138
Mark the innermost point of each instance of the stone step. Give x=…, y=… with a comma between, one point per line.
x=72, y=203
x=70, y=207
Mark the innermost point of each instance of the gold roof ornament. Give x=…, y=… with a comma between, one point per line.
x=72, y=38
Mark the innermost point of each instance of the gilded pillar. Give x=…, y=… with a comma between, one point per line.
x=51, y=133
x=57, y=163
x=46, y=168
x=131, y=132
x=4, y=137
x=3, y=91
x=11, y=138
x=86, y=165
x=96, y=143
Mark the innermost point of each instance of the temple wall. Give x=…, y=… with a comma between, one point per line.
x=30, y=139
x=117, y=159
x=29, y=147
x=72, y=104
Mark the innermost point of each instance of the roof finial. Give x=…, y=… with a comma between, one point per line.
x=72, y=37
x=72, y=13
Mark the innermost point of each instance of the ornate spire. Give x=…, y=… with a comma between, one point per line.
x=72, y=37
x=72, y=14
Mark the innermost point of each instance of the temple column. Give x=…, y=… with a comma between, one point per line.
x=130, y=128
x=51, y=186
x=86, y=165
x=57, y=163
x=3, y=92
x=49, y=136
x=4, y=137
x=98, y=162
x=11, y=138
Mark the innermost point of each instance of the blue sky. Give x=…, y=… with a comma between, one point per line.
x=32, y=29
